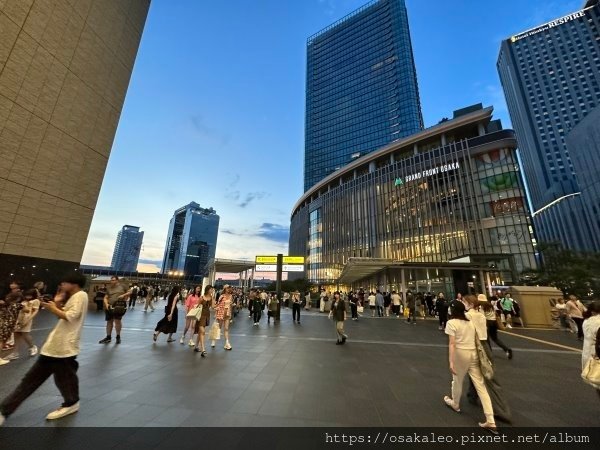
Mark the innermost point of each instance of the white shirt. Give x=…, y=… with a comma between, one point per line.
x=63, y=340
x=479, y=321
x=463, y=332
x=372, y=299
x=396, y=299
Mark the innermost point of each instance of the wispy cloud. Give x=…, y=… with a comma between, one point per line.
x=270, y=231
x=203, y=129
x=250, y=197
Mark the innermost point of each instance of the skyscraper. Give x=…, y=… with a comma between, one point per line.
x=551, y=80
x=192, y=240
x=127, y=249
x=361, y=88
x=64, y=71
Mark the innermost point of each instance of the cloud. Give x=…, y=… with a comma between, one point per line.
x=274, y=232
x=250, y=197
x=206, y=131
x=156, y=262
x=233, y=195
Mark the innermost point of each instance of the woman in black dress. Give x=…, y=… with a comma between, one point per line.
x=168, y=324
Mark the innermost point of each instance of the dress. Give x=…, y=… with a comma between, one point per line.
x=205, y=316
x=164, y=325
x=224, y=308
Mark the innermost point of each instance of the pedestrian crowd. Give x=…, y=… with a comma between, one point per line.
x=470, y=322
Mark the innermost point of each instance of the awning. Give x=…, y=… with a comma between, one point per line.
x=229, y=265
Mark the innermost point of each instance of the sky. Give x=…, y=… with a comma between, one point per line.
x=214, y=112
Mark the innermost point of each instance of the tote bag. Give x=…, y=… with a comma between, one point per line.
x=591, y=372
x=485, y=364
x=194, y=313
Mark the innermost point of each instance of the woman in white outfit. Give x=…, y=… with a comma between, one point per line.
x=591, y=337
x=463, y=360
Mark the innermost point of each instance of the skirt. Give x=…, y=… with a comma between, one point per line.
x=203, y=322
x=166, y=326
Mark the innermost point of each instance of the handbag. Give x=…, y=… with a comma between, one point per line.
x=406, y=312
x=215, y=332
x=485, y=364
x=119, y=308
x=194, y=313
x=591, y=372
x=360, y=309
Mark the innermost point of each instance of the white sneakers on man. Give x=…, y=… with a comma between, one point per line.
x=3, y=361
x=63, y=411
x=33, y=351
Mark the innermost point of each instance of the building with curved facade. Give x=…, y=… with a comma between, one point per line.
x=450, y=196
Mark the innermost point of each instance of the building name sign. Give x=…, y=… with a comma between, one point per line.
x=547, y=26
x=427, y=173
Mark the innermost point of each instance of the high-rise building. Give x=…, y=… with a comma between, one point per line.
x=583, y=143
x=361, y=88
x=551, y=80
x=64, y=70
x=127, y=249
x=192, y=240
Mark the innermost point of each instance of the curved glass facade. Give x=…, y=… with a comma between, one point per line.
x=416, y=201
x=361, y=88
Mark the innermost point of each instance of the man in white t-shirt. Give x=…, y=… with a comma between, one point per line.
x=59, y=353
x=396, y=300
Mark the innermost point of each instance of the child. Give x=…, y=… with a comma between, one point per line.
x=30, y=308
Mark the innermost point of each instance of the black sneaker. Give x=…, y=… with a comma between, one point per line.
x=509, y=353
x=106, y=340
x=118, y=340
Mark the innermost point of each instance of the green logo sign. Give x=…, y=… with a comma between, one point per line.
x=399, y=182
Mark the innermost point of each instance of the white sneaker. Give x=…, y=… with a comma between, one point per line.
x=12, y=356
x=33, y=351
x=181, y=340
x=63, y=411
x=508, y=326
x=191, y=343
x=212, y=344
x=3, y=361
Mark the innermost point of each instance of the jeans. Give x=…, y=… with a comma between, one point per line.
x=380, y=310
x=296, y=311
x=65, y=378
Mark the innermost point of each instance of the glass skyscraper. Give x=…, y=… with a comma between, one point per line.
x=361, y=88
x=127, y=249
x=551, y=80
x=192, y=240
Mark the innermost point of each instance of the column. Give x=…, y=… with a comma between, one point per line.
x=251, y=278
x=482, y=281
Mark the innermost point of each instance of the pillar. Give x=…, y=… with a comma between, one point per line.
x=482, y=281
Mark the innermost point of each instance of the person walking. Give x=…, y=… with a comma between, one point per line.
x=115, y=307
x=296, y=307
x=149, y=299
x=506, y=304
x=441, y=307
x=463, y=360
x=591, y=337
x=9, y=312
x=30, y=306
x=58, y=356
x=168, y=324
x=475, y=314
x=372, y=299
x=207, y=302
x=396, y=301
x=307, y=300
x=353, y=299
x=257, y=305
x=192, y=300
x=380, y=303
x=133, y=295
x=491, y=320
x=272, y=309
x=338, y=313
x=575, y=311
x=411, y=304
x=223, y=315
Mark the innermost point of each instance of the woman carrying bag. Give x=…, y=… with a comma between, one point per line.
x=464, y=359
x=206, y=301
x=168, y=324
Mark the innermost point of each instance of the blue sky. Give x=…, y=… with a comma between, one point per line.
x=215, y=109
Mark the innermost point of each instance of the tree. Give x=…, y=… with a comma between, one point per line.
x=571, y=272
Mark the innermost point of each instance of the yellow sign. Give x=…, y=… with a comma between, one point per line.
x=293, y=259
x=266, y=260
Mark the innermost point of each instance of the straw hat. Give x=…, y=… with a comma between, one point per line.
x=482, y=298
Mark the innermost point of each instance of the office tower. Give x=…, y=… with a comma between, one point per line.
x=127, y=249
x=64, y=70
x=361, y=88
x=551, y=80
x=192, y=240
x=583, y=143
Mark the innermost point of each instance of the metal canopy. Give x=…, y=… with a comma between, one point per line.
x=357, y=269
x=229, y=265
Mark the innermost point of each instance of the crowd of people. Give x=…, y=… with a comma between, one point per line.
x=471, y=323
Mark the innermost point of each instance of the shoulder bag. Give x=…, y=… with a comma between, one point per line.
x=485, y=364
x=195, y=313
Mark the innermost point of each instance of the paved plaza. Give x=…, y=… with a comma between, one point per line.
x=388, y=374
